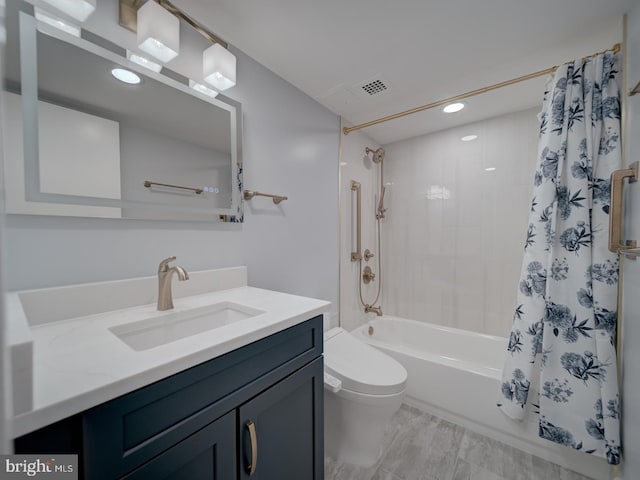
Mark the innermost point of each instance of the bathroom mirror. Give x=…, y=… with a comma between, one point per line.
x=81, y=142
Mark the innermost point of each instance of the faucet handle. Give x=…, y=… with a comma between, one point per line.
x=164, y=264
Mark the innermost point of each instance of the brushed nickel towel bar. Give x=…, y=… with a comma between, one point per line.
x=346, y=130
x=357, y=255
x=148, y=184
x=249, y=194
x=616, y=218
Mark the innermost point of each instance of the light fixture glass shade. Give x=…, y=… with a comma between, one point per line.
x=158, y=32
x=55, y=21
x=219, y=67
x=144, y=62
x=78, y=9
x=198, y=87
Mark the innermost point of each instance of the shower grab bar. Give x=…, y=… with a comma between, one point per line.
x=355, y=187
x=616, y=218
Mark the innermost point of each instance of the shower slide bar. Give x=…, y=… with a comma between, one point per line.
x=628, y=248
x=357, y=255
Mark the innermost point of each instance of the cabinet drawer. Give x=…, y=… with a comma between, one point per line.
x=130, y=430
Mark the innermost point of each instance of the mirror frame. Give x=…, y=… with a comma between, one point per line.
x=29, y=27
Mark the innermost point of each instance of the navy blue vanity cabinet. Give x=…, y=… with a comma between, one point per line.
x=281, y=436
x=255, y=412
x=208, y=454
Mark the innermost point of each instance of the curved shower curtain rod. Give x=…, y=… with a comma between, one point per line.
x=346, y=130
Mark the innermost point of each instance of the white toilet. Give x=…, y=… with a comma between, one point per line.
x=364, y=388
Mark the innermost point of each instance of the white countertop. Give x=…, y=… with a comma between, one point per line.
x=79, y=363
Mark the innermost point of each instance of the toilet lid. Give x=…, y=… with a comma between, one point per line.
x=361, y=367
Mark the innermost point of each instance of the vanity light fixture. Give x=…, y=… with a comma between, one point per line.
x=77, y=9
x=198, y=87
x=158, y=32
x=469, y=138
x=143, y=62
x=126, y=76
x=219, y=67
x=219, y=64
x=57, y=22
x=453, y=107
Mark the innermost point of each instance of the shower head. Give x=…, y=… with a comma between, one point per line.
x=378, y=155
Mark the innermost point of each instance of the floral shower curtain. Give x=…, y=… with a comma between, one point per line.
x=561, y=361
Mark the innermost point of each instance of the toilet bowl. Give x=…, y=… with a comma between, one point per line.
x=364, y=388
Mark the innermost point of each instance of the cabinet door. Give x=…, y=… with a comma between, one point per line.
x=208, y=454
x=281, y=430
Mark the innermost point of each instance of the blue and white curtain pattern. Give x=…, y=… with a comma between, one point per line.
x=561, y=360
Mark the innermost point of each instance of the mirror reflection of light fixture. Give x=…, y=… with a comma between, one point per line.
x=143, y=62
x=78, y=9
x=158, y=32
x=55, y=21
x=198, y=87
x=219, y=67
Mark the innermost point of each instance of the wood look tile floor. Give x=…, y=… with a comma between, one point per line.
x=419, y=446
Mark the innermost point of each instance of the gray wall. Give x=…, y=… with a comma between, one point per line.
x=630, y=328
x=290, y=148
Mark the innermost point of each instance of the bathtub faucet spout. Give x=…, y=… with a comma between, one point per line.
x=372, y=309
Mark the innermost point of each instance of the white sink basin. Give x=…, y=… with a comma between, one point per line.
x=33, y=310
x=171, y=326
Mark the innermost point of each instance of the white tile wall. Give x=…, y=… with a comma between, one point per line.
x=455, y=259
x=354, y=165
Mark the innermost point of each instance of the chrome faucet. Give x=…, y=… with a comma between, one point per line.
x=165, y=297
x=372, y=309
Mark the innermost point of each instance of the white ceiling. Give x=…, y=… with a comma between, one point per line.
x=425, y=50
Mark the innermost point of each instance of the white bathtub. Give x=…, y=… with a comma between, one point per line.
x=455, y=374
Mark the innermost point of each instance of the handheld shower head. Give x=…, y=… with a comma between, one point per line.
x=378, y=155
x=381, y=209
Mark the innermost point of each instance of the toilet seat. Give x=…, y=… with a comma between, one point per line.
x=360, y=367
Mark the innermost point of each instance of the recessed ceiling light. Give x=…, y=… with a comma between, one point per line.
x=126, y=76
x=469, y=138
x=489, y=169
x=453, y=107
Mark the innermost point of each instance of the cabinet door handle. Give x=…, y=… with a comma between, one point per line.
x=251, y=467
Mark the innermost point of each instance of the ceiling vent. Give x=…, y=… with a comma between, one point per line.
x=374, y=87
